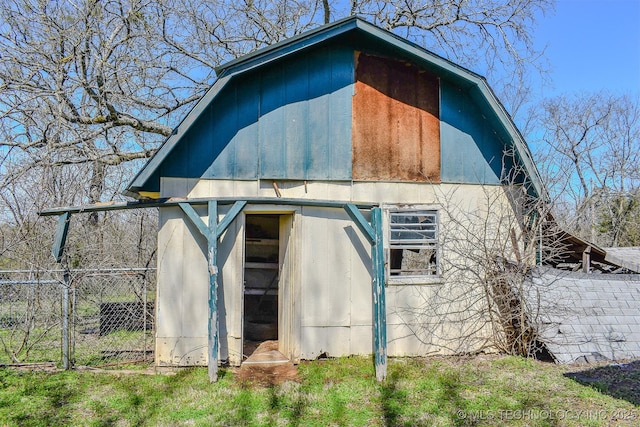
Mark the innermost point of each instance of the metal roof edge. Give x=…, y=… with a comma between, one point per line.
x=518, y=140
x=154, y=162
x=279, y=49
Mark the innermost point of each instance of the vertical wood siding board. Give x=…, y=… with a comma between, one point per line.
x=428, y=98
x=333, y=133
x=234, y=124
x=470, y=149
x=340, y=114
x=438, y=133
x=222, y=115
x=453, y=165
x=209, y=141
x=389, y=85
x=226, y=117
x=339, y=147
x=246, y=139
x=296, y=85
x=408, y=127
x=307, y=159
x=237, y=127
x=319, y=115
x=272, y=122
x=216, y=167
x=379, y=298
x=494, y=147
x=320, y=111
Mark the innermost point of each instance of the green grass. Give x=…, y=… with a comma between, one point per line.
x=43, y=344
x=333, y=392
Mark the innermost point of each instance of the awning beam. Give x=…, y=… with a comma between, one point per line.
x=214, y=229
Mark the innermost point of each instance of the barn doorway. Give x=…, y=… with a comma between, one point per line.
x=261, y=280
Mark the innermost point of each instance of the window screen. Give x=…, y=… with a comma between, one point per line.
x=413, y=244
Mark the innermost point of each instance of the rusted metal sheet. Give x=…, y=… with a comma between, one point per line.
x=396, y=126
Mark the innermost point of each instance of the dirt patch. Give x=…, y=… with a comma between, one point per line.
x=267, y=366
x=43, y=367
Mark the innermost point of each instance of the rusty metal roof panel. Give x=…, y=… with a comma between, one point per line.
x=396, y=126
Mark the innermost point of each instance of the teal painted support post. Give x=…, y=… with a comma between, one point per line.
x=60, y=238
x=379, y=298
x=373, y=233
x=361, y=222
x=195, y=219
x=212, y=265
x=212, y=231
x=57, y=250
x=230, y=216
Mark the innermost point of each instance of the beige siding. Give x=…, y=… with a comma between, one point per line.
x=328, y=268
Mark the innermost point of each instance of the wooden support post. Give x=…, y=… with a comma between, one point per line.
x=212, y=231
x=361, y=223
x=60, y=238
x=373, y=233
x=212, y=265
x=586, y=260
x=66, y=336
x=379, y=298
x=57, y=250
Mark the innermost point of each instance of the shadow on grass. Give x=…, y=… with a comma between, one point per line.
x=393, y=399
x=54, y=397
x=620, y=380
x=288, y=405
x=450, y=388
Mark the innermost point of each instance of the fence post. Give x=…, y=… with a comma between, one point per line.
x=144, y=314
x=66, y=364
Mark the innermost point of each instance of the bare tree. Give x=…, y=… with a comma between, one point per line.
x=104, y=82
x=493, y=238
x=591, y=152
x=491, y=37
x=100, y=84
x=89, y=89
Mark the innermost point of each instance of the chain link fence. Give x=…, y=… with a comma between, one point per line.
x=79, y=317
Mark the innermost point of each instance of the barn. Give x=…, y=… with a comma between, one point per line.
x=307, y=199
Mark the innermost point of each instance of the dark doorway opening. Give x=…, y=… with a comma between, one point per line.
x=261, y=267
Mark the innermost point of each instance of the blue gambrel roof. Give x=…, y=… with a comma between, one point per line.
x=352, y=31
